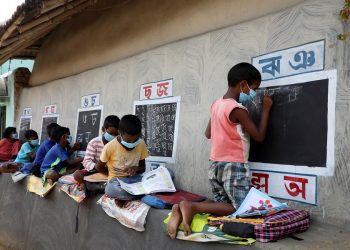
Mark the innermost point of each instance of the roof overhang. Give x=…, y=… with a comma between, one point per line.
x=22, y=36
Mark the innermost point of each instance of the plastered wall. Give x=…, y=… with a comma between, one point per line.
x=116, y=29
x=199, y=66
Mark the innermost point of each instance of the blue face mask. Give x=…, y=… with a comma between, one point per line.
x=14, y=136
x=69, y=139
x=243, y=97
x=34, y=142
x=108, y=136
x=130, y=145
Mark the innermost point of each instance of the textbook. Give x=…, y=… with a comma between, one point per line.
x=257, y=203
x=98, y=177
x=155, y=181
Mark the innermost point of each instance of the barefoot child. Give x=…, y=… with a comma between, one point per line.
x=95, y=146
x=56, y=162
x=229, y=129
x=124, y=159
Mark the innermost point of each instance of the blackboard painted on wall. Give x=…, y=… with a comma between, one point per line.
x=24, y=125
x=88, y=125
x=46, y=120
x=160, y=119
x=300, y=133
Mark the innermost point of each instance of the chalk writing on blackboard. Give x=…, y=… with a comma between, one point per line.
x=46, y=120
x=297, y=129
x=88, y=125
x=24, y=126
x=159, y=120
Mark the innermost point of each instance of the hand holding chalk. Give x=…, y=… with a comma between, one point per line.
x=267, y=102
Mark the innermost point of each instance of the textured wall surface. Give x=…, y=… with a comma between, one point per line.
x=118, y=29
x=199, y=66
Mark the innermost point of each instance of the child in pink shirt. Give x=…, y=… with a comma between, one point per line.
x=229, y=129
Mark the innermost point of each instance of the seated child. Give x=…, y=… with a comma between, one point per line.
x=9, y=144
x=42, y=151
x=95, y=146
x=229, y=129
x=124, y=159
x=29, y=148
x=56, y=162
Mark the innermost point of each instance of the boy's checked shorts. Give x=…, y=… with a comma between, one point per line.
x=230, y=182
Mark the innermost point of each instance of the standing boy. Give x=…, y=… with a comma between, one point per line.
x=124, y=159
x=229, y=129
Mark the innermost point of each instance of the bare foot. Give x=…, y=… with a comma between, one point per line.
x=50, y=181
x=175, y=220
x=120, y=203
x=187, y=216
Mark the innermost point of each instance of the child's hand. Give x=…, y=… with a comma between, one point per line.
x=79, y=176
x=131, y=171
x=76, y=146
x=79, y=159
x=267, y=102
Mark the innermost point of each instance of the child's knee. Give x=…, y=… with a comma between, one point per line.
x=53, y=175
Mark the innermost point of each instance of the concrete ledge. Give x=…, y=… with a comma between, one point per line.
x=28, y=221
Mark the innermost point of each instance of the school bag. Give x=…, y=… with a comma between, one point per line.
x=282, y=224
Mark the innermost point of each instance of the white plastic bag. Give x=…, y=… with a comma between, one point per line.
x=132, y=215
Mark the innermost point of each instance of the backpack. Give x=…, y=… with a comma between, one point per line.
x=282, y=224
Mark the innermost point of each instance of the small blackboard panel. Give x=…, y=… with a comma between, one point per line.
x=24, y=125
x=297, y=130
x=159, y=120
x=88, y=125
x=46, y=120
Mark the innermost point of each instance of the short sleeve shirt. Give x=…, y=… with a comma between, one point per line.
x=54, y=159
x=118, y=159
x=42, y=151
x=23, y=154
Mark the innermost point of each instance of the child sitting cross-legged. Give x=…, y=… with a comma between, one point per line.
x=28, y=150
x=56, y=162
x=95, y=146
x=124, y=159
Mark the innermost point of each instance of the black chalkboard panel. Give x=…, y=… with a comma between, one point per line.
x=88, y=126
x=45, y=122
x=158, y=127
x=297, y=129
x=24, y=126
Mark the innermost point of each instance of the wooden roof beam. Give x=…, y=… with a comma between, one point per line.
x=50, y=24
x=50, y=15
x=11, y=28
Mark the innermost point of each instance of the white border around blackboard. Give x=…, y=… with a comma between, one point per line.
x=176, y=99
x=41, y=125
x=331, y=75
x=82, y=153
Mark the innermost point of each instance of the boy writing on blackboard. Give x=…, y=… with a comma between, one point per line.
x=56, y=162
x=124, y=159
x=94, y=148
x=229, y=129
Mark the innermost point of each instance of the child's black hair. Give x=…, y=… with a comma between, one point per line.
x=8, y=131
x=130, y=124
x=111, y=121
x=30, y=133
x=50, y=128
x=58, y=132
x=243, y=71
